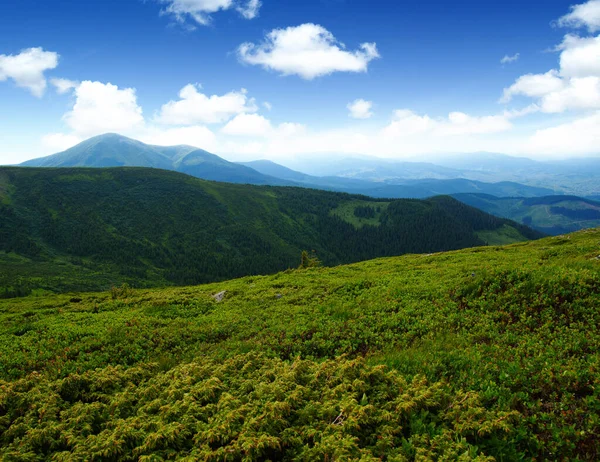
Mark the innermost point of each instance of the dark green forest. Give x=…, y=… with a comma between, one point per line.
x=90, y=229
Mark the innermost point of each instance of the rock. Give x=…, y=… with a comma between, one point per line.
x=278, y=296
x=220, y=296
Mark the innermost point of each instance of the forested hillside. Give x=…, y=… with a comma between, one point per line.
x=549, y=214
x=476, y=355
x=90, y=229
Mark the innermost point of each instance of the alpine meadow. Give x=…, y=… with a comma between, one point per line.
x=300, y=231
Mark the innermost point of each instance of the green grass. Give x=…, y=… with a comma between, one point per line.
x=490, y=352
x=346, y=212
x=501, y=236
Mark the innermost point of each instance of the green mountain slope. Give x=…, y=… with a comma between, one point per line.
x=551, y=215
x=474, y=355
x=87, y=229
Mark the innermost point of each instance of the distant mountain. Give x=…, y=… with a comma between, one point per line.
x=90, y=228
x=428, y=188
x=417, y=189
x=573, y=176
x=485, y=161
x=113, y=150
x=371, y=168
x=495, y=174
x=552, y=214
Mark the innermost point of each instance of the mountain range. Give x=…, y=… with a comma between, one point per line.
x=402, y=181
x=112, y=150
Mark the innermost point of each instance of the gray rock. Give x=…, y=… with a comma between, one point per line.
x=220, y=296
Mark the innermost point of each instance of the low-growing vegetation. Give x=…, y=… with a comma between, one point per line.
x=482, y=354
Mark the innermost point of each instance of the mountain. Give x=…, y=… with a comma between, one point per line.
x=551, y=215
x=384, y=179
x=370, y=168
x=113, y=150
x=475, y=355
x=417, y=189
x=572, y=176
x=82, y=228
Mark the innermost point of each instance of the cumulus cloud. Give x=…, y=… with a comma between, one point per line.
x=360, y=109
x=407, y=123
x=308, y=50
x=257, y=126
x=101, y=108
x=200, y=11
x=580, y=137
x=584, y=15
x=248, y=125
x=580, y=56
x=574, y=86
x=197, y=136
x=510, y=59
x=27, y=69
x=63, y=85
x=194, y=107
x=534, y=85
x=58, y=142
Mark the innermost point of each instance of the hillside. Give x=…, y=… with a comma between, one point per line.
x=112, y=150
x=89, y=229
x=474, y=355
x=551, y=215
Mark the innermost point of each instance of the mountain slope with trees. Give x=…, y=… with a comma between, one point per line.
x=89, y=229
x=549, y=214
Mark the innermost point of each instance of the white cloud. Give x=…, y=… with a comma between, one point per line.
x=579, y=137
x=101, y=108
x=257, y=126
x=58, y=142
x=308, y=50
x=575, y=86
x=360, y=109
x=64, y=85
x=197, y=136
x=289, y=129
x=196, y=108
x=268, y=106
x=580, y=57
x=583, y=15
x=200, y=11
x=406, y=123
x=510, y=59
x=534, y=85
x=248, y=125
x=579, y=94
x=27, y=69
x=249, y=10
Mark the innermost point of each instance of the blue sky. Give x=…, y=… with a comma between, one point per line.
x=388, y=78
